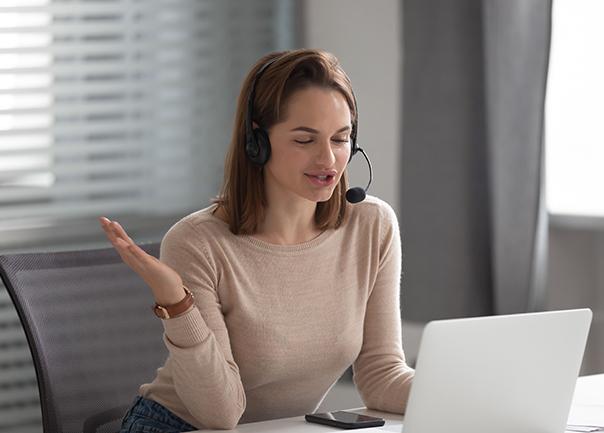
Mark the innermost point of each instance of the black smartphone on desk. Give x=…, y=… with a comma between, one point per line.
x=344, y=419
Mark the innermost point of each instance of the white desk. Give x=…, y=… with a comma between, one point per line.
x=588, y=401
x=587, y=409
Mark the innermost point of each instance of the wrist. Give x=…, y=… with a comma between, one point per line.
x=170, y=297
x=168, y=311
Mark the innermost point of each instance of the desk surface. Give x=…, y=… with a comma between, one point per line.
x=587, y=409
x=588, y=402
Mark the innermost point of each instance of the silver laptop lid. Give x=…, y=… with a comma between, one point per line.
x=498, y=374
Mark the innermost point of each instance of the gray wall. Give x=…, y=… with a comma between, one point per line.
x=368, y=43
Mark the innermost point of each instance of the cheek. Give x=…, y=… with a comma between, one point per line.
x=343, y=156
x=285, y=163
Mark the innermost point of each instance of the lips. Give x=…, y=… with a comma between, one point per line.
x=321, y=179
x=321, y=173
x=321, y=176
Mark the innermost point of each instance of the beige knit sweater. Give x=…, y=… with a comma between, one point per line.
x=275, y=326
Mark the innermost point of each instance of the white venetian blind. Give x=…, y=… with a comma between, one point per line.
x=115, y=107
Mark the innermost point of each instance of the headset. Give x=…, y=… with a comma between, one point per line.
x=258, y=145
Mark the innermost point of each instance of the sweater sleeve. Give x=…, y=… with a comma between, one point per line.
x=206, y=377
x=381, y=373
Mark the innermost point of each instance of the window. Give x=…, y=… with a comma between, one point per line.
x=122, y=107
x=116, y=107
x=574, y=132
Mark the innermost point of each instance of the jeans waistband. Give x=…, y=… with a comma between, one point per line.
x=151, y=410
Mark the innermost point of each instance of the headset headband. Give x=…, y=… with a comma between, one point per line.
x=249, y=134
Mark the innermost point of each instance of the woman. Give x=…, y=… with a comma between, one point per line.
x=290, y=283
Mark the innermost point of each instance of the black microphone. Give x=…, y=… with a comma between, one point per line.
x=357, y=194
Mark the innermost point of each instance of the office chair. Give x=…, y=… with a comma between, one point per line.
x=91, y=332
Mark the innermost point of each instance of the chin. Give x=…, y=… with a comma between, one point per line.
x=319, y=196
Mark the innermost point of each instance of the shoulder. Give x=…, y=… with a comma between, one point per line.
x=373, y=210
x=372, y=220
x=194, y=230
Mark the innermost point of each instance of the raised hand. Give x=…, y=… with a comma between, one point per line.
x=164, y=282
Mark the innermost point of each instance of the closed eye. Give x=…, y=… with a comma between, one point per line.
x=309, y=141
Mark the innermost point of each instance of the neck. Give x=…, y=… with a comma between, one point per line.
x=289, y=223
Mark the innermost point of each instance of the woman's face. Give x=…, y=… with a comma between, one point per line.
x=311, y=147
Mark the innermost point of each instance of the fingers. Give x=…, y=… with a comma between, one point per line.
x=131, y=253
x=114, y=231
x=106, y=225
x=121, y=232
x=135, y=251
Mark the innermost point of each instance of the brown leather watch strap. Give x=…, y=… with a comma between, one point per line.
x=169, y=311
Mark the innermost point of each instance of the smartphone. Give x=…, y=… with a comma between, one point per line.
x=343, y=419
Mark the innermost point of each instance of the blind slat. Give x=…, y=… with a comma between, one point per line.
x=115, y=206
x=83, y=189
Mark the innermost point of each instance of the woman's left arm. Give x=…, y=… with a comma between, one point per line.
x=381, y=373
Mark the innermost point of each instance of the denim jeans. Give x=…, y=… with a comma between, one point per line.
x=148, y=416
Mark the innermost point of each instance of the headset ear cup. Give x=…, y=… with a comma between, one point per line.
x=354, y=148
x=263, y=147
x=251, y=148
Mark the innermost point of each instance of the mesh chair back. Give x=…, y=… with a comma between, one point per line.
x=91, y=332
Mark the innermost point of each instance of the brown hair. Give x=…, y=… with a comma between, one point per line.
x=243, y=196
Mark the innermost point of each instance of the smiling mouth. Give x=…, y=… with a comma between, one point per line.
x=326, y=177
x=321, y=180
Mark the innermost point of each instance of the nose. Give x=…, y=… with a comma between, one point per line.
x=325, y=155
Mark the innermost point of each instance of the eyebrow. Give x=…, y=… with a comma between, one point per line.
x=314, y=131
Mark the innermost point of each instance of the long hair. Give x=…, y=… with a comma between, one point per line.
x=243, y=195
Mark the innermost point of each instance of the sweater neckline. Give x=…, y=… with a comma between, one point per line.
x=267, y=246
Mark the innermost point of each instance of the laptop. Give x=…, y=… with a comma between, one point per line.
x=498, y=374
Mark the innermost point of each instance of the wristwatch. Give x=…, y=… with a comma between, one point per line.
x=169, y=311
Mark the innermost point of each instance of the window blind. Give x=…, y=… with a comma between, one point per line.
x=110, y=106
x=115, y=107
